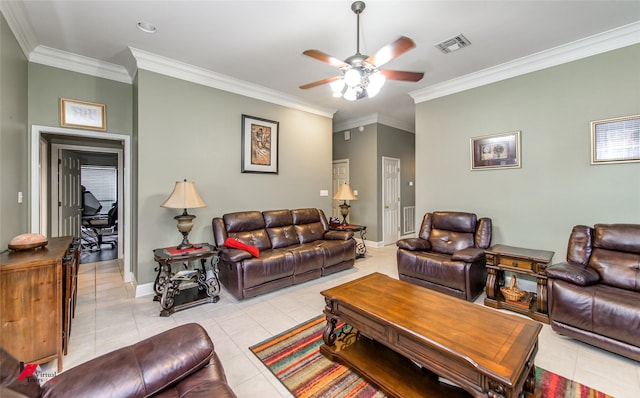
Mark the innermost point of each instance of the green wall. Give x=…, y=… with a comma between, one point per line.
x=48, y=84
x=13, y=138
x=365, y=150
x=186, y=130
x=556, y=188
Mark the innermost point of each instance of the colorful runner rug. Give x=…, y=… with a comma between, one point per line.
x=294, y=358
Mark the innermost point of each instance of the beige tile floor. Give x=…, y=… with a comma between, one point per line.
x=108, y=316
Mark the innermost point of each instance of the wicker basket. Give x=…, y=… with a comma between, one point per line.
x=512, y=293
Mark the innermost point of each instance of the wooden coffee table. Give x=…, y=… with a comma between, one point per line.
x=486, y=353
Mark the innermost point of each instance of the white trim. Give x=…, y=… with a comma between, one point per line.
x=78, y=63
x=34, y=162
x=144, y=289
x=180, y=70
x=607, y=41
x=383, y=192
x=372, y=119
x=15, y=15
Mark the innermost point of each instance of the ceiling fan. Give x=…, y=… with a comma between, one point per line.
x=361, y=76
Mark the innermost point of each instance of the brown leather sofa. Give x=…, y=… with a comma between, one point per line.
x=595, y=295
x=448, y=254
x=294, y=246
x=180, y=362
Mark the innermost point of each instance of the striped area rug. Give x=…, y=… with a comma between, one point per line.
x=294, y=358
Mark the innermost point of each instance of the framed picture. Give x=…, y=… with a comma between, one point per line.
x=259, y=145
x=615, y=140
x=81, y=114
x=495, y=151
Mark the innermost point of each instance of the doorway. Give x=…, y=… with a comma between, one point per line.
x=41, y=192
x=390, y=200
x=340, y=175
x=86, y=183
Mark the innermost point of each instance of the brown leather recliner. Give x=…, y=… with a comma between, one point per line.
x=180, y=362
x=595, y=295
x=448, y=254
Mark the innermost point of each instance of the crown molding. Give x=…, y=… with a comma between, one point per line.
x=611, y=40
x=373, y=119
x=170, y=67
x=14, y=13
x=78, y=63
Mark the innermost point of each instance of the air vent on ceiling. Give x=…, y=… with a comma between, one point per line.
x=453, y=44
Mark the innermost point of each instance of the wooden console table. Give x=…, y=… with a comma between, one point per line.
x=501, y=258
x=190, y=285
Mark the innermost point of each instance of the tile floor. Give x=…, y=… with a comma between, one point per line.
x=108, y=316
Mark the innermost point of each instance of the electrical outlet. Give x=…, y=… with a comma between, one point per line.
x=324, y=192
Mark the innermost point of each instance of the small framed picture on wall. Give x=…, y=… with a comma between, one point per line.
x=82, y=114
x=495, y=151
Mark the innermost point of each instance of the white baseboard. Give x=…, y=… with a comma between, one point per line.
x=145, y=289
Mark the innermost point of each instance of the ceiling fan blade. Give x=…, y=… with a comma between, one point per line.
x=326, y=58
x=390, y=51
x=402, y=75
x=320, y=82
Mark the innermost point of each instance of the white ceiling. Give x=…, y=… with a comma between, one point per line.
x=261, y=42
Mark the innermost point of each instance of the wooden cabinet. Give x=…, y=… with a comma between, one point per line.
x=37, y=295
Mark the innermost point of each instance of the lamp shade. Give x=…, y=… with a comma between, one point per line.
x=345, y=193
x=184, y=196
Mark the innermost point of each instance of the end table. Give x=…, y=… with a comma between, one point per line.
x=518, y=260
x=361, y=248
x=190, y=285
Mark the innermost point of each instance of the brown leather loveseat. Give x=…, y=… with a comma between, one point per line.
x=180, y=362
x=448, y=254
x=294, y=246
x=595, y=295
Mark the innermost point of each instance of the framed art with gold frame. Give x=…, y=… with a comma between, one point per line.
x=82, y=114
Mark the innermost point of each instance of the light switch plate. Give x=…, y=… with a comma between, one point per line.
x=324, y=192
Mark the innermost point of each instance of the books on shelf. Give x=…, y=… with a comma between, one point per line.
x=184, y=274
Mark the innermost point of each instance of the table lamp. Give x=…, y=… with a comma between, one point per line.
x=184, y=196
x=345, y=193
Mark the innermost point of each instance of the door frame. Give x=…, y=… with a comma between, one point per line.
x=382, y=191
x=85, y=148
x=35, y=176
x=333, y=193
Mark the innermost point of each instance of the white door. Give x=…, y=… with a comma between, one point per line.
x=340, y=176
x=390, y=200
x=69, y=203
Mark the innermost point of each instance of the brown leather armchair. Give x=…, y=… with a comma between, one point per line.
x=448, y=254
x=180, y=362
x=594, y=296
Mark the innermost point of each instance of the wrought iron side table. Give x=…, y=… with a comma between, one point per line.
x=193, y=284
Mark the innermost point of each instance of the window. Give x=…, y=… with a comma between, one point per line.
x=102, y=181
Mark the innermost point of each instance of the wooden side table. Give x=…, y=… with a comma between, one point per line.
x=361, y=248
x=191, y=285
x=501, y=258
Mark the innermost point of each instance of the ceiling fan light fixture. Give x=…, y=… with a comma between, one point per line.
x=337, y=86
x=353, y=76
x=376, y=81
x=351, y=94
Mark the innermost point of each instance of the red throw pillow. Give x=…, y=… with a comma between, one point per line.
x=236, y=244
